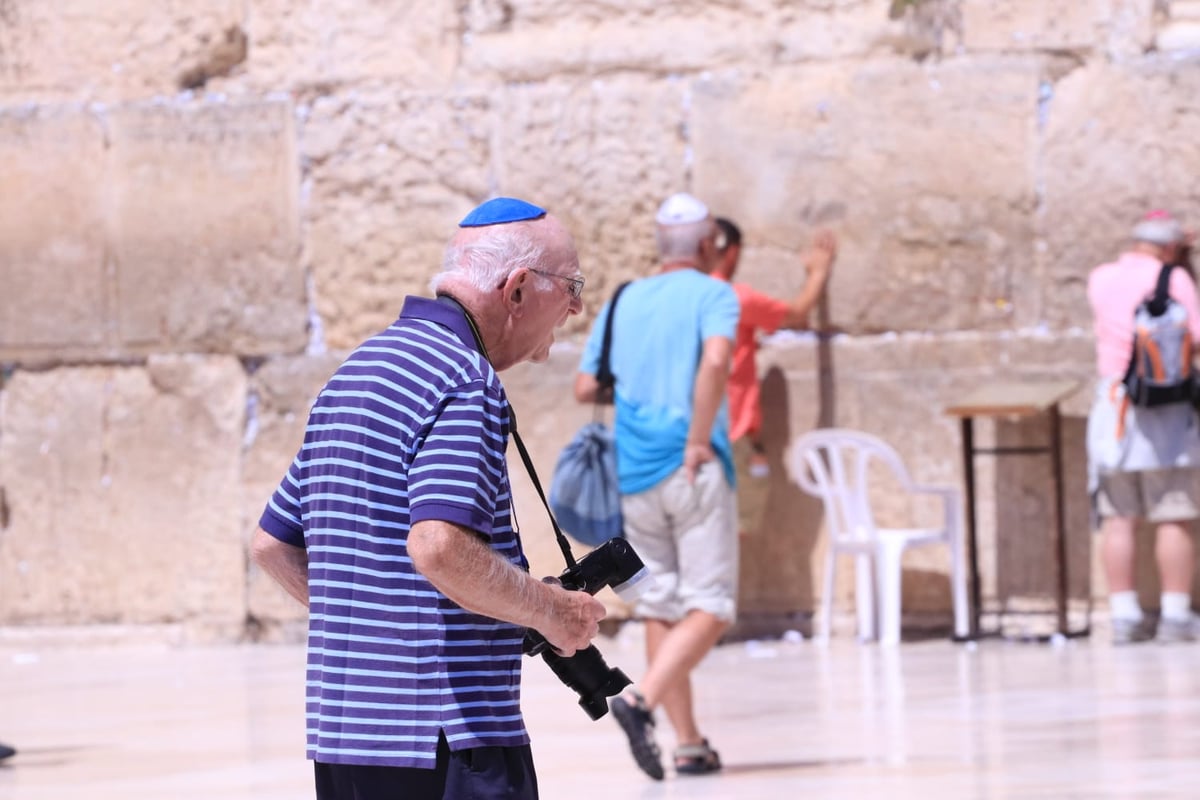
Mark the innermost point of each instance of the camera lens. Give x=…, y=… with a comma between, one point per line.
x=590, y=677
x=635, y=587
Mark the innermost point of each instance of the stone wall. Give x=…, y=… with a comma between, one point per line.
x=205, y=205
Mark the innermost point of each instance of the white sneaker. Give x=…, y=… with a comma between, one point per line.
x=1174, y=631
x=1131, y=631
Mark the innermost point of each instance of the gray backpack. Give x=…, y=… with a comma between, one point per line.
x=1160, y=365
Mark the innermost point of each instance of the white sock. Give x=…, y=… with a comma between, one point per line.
x=1176, y=605
x=1124, y=605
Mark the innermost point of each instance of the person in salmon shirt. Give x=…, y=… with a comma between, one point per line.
x=1143, y=463
x=761, y=314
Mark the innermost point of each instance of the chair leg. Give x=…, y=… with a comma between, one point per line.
x=888, y=574
x=826, y=629
x=958, y=590
x=865, y=599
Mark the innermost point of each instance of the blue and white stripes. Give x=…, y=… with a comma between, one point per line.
x=414, y=425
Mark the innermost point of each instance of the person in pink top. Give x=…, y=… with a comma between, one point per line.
x=761, y=314
x=1143, y=463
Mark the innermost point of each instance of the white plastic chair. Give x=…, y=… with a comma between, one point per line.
x=833, y=464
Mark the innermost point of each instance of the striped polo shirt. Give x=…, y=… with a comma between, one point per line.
x=413, y=426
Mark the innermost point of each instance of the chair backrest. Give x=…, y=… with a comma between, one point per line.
x=833, y=464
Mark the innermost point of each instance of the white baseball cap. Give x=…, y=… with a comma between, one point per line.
x=1158, y=227
x=681, y=209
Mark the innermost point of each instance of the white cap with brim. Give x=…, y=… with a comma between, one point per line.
x=681, y=209
x=1161, y=230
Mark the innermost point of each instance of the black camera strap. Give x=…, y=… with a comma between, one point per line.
x=563, y=544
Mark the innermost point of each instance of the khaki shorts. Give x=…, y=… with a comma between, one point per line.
x=752, y=491
x=686, y=535
x=1160, y=495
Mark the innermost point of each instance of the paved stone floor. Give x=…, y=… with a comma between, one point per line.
x=792, y=719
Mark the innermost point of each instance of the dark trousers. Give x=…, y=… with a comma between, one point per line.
x=481, y=773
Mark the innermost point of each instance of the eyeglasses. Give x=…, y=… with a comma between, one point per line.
x=574, y=285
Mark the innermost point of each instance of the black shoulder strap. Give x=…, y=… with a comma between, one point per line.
x=604, y=373
x=1162, y=291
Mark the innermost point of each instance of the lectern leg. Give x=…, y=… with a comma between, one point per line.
x=1060, y=527
x=968, y=448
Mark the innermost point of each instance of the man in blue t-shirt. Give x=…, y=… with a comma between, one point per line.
x=672, y=346
x=394, y=526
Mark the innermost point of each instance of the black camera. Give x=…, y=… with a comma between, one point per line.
x=614, y=564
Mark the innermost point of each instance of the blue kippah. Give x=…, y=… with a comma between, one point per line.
x=499, y=210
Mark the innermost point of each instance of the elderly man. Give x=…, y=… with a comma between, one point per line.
x=672, y=345
x=394, y=526
x=1144, y=462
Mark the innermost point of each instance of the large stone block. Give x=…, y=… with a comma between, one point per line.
x=1130, y=28
x=123, y=495
x=920, y=354
x=205, y=228
x=390, y=176
x=1180, y=30
x=858, y=29
x=525, y=43
x=1181, y=10
x=483, y=16
x=929, y=183
x=569, y=147
x=54, y=298
x=114, y=50
x=1116, y=145
x=1033, y=24
x=343, y=42
x=1182, y=35
x=685, y=37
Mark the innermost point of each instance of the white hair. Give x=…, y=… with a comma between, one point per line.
x=682, y=241
x=488, y=259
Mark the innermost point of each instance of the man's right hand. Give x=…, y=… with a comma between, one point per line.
x=696, y=455
x=573, y=620
x=818, y=260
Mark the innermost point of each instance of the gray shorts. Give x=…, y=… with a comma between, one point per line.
x=687, y=536
x=1159, y=495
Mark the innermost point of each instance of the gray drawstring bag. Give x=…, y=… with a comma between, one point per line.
x=584, y=493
